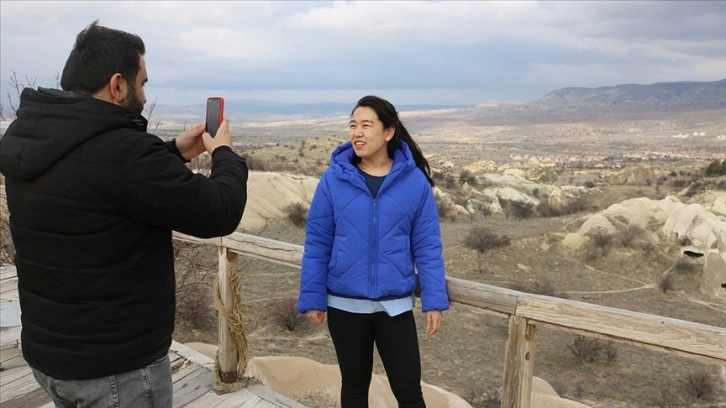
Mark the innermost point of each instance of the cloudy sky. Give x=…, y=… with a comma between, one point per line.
x=410, y=52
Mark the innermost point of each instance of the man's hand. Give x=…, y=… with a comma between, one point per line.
x=222, y=138
x=189, y=143
x=195, y=141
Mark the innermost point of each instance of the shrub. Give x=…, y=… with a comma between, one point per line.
x=588, y=349
x=544, y=287
x=665, y=283
x=287, y=314
x=297, y=214
x=449, y=181
x=195, y=305
x=466, y=176
x=489, y=398
x=669, y=396
x=598, y=244
x=699, y=385
x=481, y=239
x=194, y=301
x=517, y=208
x=630, y=235
x=7, y=249
x=601, y=238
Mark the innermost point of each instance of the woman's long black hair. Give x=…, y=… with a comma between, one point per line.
x=387, y=114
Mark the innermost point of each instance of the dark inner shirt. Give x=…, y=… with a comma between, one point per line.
x=373, y=182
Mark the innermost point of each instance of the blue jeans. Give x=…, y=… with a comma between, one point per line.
x=148, y=387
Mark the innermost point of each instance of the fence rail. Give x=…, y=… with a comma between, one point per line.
x=524, y=311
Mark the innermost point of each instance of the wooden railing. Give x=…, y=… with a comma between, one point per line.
x=525, y=312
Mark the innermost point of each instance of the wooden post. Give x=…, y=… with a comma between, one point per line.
x=227, y=352
x=518, y=364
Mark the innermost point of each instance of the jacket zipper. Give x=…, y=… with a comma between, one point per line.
x=373, y=249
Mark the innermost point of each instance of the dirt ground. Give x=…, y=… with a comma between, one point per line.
x=467, y=356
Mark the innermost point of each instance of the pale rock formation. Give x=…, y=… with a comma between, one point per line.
x=544, y=396
x=719, y=206
x=301, y=378
x=562, y=197
x=636, y=175
x=447, y=207
x=298, y=378
x=268, y=193
x=510, y=194
x=698, y=231
x=481, y=167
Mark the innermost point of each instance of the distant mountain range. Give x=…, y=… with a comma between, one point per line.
x=267, y=108
x=665, y=96
x=626, y=98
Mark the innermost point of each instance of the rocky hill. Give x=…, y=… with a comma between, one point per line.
x=664, y=96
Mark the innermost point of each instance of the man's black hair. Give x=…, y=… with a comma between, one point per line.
x=98, y=54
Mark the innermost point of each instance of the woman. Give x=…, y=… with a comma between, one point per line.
x=372, y=218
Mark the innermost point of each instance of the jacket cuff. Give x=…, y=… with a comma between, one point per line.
x=171, y=147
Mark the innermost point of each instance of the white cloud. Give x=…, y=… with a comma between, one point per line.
x=479, y=50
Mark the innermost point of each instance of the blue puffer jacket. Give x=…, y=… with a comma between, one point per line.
x=360, y=247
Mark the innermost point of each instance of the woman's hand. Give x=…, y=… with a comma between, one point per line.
x=317, y=316
x=433, y=321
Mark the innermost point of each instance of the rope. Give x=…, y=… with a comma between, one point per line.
x=233, y=318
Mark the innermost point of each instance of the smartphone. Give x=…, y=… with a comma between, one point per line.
x=215, y=114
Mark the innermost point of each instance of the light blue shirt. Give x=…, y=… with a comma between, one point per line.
x=392, y=307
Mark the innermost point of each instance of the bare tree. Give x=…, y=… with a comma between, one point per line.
x=149, y=111
x=18, y=87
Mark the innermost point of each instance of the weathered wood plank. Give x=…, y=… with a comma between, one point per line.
x=518, y=364
x=10, y=336
x=182, y=351
x=213, y=400
x=15, y=382
x=694, y=339
x=6, y=273
x=23, y=385
x=493, y=298
x=9, y=356
x=228, y=356
x=257, y=247
x=252, y=402
x=192, y=386
x=36, y=398
x=276, y=399
x=9, y=288
x=274, y=251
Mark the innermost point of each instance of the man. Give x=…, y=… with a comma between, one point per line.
x=93, y=199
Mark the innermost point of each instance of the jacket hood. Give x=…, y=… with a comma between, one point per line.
x=341, y=160
x=51, y=123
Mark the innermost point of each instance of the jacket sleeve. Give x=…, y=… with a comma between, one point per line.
x=319, y=234
x=173, y=149
x=428, y=254
x=161, y=190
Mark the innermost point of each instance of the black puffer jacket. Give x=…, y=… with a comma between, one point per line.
x=93, y=199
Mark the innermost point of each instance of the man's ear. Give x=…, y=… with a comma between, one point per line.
x=117, y=88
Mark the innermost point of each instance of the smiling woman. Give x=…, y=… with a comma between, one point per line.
x=372, y=238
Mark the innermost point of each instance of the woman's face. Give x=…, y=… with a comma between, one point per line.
x=369, y=138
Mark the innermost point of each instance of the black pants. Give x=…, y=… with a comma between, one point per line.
x=395, y=337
